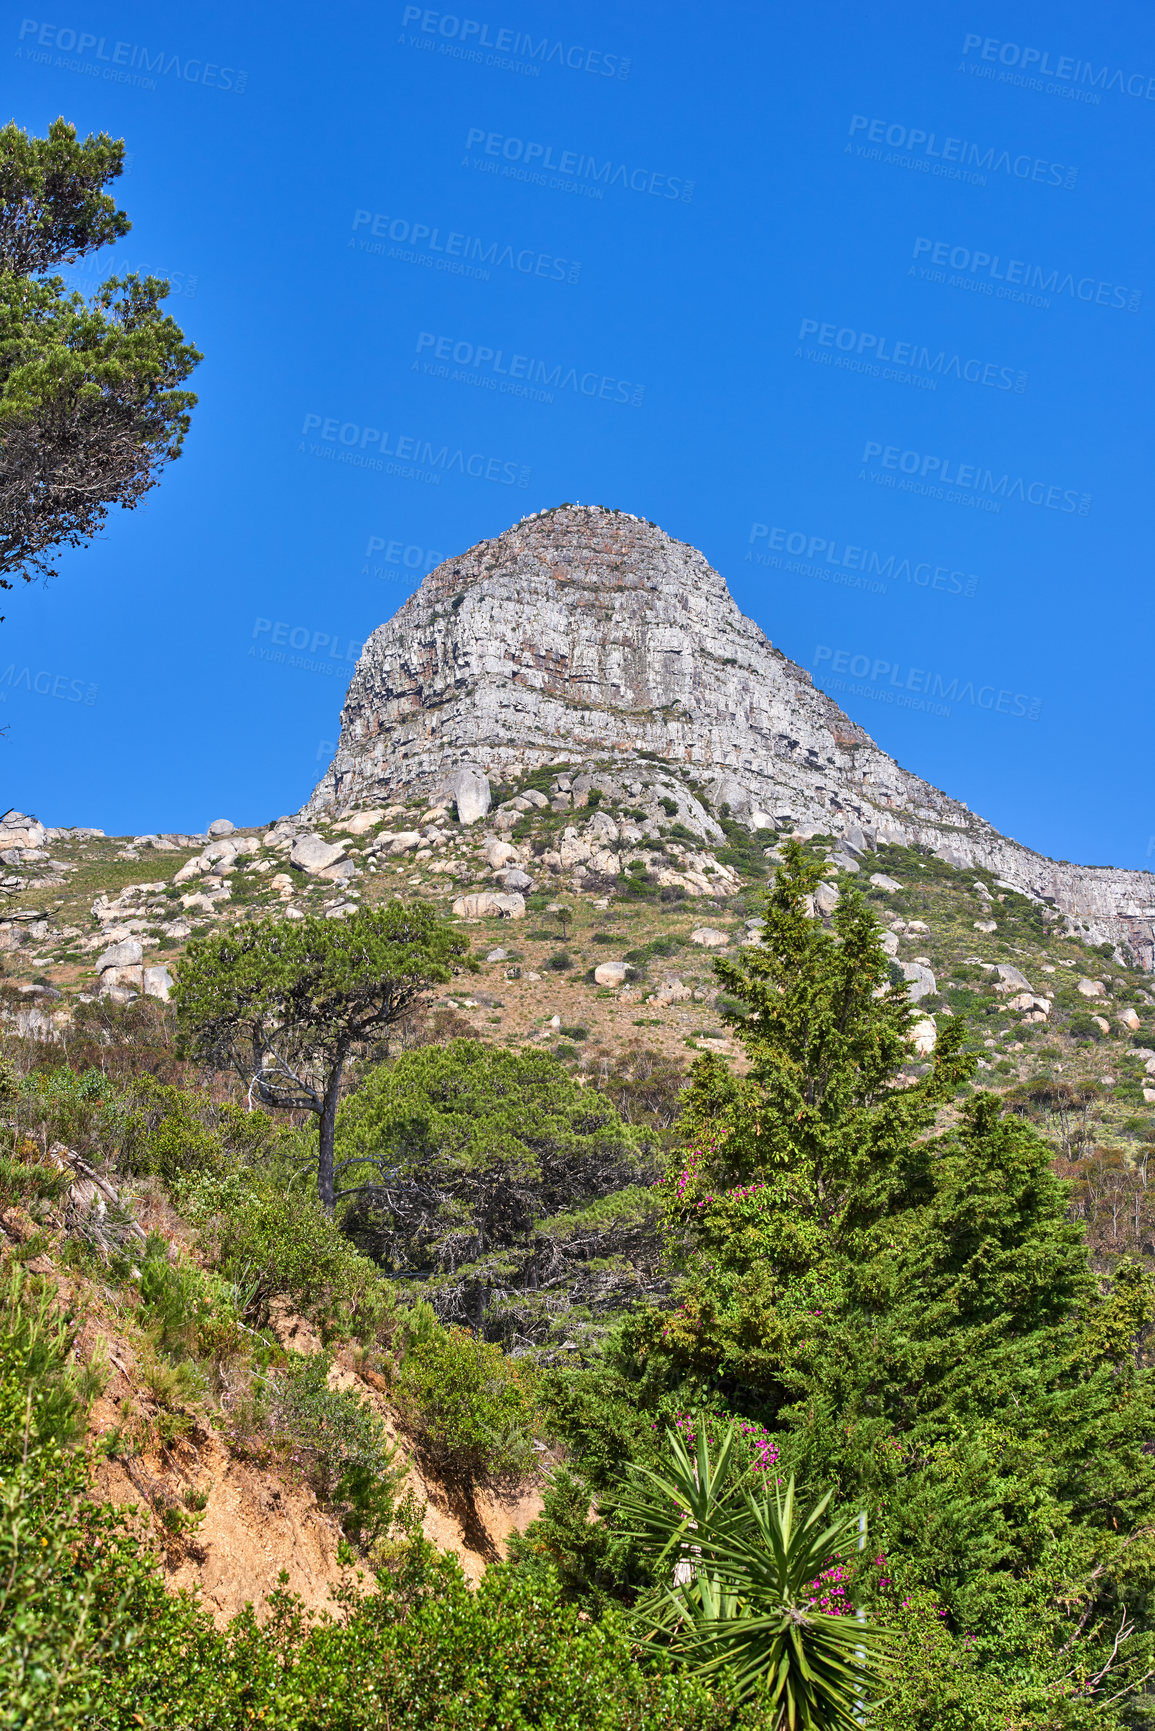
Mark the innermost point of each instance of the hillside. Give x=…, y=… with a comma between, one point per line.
x=650, y=808
x=571, y=745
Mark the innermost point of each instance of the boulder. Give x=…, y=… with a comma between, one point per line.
x=882, y=882
x=19, y=831
x=573, y=851
x=987, y=926
x=192, y=868
x=709, y=937
x=469, y=790
x=157, y=983
x=889, y=942
x=339, y=873
x=606, y=862
x=1009, y=978
x=127, y=978
x=923, y=1035
x=126, y=954
x=826, y=898
x=1092, y=988
x=513, y=878
x=1102, y=1024
x=672, y=992
x=611, y=973
x=485, y=905
x=404, y=840
x=221, y=826
x=1130, y=1020
x=725, y=790
x=362, y=822
x=920, y=982
x=919, y=926
x=498, y=955
x=500, y=853
x=312, y=854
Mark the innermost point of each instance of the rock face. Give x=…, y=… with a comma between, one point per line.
x=587, y=635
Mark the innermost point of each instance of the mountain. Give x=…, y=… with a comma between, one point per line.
x=584, y=635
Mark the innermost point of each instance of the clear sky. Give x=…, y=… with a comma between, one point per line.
x=858, y=299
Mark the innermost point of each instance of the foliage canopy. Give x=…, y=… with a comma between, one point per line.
x=285, y=1004
x=91, y=399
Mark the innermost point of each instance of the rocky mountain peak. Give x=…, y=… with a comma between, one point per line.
x=589, y=636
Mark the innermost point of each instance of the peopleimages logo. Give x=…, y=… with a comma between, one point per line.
x=282, y=634
x=520, y=375
x=471, y=33
x=1075, y=72
x=813, y=552
x=44, y=684
x=916, y=355
x=945, y=472
x=402, y=555
x=574, y=162
x=126, y=60
x=88, y=275
x=958, y=158
x=359, y=445
x=921, y=687
x=1020, y=280
x=459, y=253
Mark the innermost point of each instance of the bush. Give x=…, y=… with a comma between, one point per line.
x=280, y=1243
x=472, y=1408
x=560, y=962
x=342, y=1446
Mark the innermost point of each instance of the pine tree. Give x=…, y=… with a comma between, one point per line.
x=881, y=1270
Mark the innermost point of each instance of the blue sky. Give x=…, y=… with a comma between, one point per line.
x=858, y=300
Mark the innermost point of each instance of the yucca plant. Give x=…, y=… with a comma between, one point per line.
x=738, y=1584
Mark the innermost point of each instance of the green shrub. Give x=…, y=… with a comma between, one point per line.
x=279, y=1243
x=189, y=1312
x=87, y=1631
x=342, y=1446
x=472, y=1408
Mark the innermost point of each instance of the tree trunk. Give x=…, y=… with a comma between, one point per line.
x=326, y=1188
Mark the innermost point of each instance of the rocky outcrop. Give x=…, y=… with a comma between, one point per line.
x=588, y=636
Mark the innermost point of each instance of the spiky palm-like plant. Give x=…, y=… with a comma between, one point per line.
x=743, y=1586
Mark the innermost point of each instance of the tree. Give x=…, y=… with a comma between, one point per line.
x=882, y=1272
x=91, y=405
x=508, y=1186
x=286, y=1004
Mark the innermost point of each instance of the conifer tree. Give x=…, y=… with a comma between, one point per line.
x=878, y=1267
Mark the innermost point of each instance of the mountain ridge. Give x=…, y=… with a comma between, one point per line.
x=583, y=634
